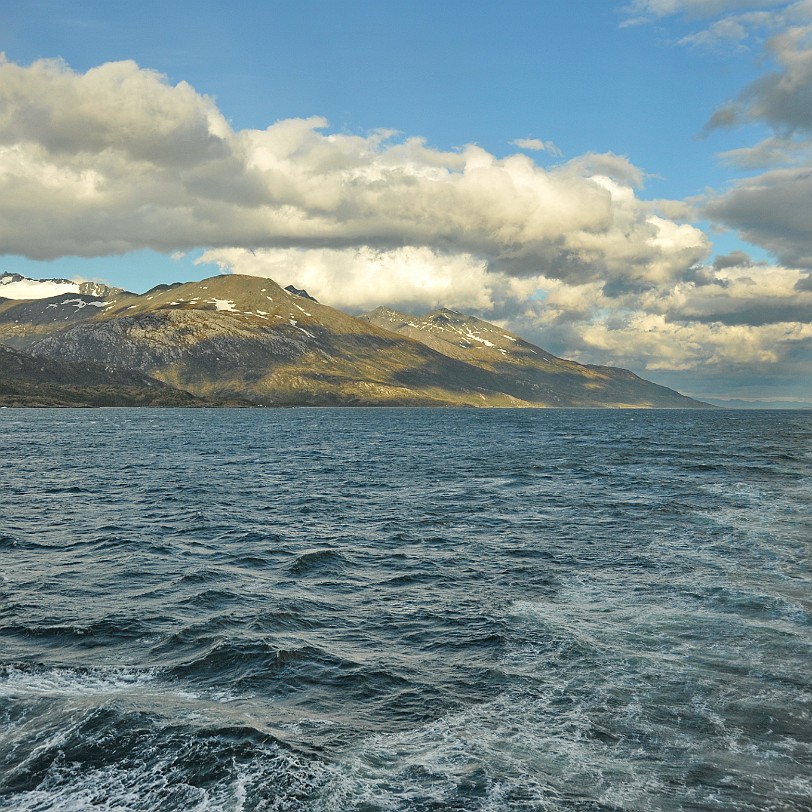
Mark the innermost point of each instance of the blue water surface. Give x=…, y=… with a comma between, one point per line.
x=405, y=609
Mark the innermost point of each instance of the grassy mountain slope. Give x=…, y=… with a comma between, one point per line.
x=245, y=337
x=24, y=321
x=527, y=370
x=241, y=336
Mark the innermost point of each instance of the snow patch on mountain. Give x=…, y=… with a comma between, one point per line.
x=77, y=303
x=14, y=286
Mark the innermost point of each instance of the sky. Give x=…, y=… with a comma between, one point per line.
x=624, y=183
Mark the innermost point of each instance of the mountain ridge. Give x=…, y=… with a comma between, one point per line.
x=246, y=337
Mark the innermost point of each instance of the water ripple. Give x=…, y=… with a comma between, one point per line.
x=405, y=610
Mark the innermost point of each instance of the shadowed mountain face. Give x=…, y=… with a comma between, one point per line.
x=234, y=336
x=26, y=380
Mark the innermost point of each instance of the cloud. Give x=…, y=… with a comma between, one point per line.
x=357, y=279
x=643, y=11
x=116, y=106
x=727, y=31
x=536, y=144
x=572, y=255
x=678, y=346
x=734, y=324
x=116, y=160
x=781, y=98
x=735, y=259
x=739, y=295
x=769, y=152
x=771, y=210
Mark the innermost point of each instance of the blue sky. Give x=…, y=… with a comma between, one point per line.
x=637, y=81
x=452, y=72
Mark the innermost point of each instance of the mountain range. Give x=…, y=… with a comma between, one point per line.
x=245, y=339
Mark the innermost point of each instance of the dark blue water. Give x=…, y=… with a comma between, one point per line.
x=405, y=609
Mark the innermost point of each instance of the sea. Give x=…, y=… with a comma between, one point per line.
x=405, y=609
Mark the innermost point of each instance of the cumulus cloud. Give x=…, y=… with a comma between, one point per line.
x=781, y=98
x=362, y=278
x=725, y=31
x=734, y=259
x=752, y=320
x=746, y=329
x=679, y=346
x=739, y=295
x=769, y=153
x=116, y=159
x=771, y=210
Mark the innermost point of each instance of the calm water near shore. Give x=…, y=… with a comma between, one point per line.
x=405, y=609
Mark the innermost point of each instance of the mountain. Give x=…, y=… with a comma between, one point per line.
x=303, y=293
x=245, y=337
x=733, y=403
x=48, y=305
x=25, y=320
x=26, y=380
x=16, y=286
x=527, y=371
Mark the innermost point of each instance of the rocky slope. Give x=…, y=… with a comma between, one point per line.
x=526, y=370
x=239, y=336
x=26, y=380
x=234, y=336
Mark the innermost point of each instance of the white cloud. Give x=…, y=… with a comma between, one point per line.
x=740, y=325
x=726, y=31
x=676, y=346
x=572, y=255
x=642, y=11
x=116, y=160
x=537, y=145
x=769, y=209
x=363, y=278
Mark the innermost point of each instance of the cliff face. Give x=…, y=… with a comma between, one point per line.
x=246, y=337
